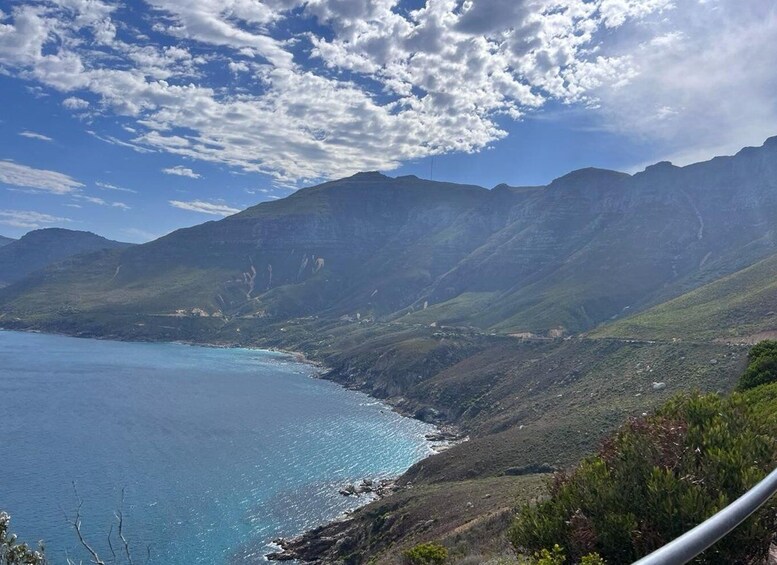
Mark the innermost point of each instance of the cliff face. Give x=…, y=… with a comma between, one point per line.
x=591, y=246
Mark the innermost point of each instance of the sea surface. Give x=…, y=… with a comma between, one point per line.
x=218, y=451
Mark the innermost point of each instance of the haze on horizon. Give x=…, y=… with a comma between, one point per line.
x=132, y=121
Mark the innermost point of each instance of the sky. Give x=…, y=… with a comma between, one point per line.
x=134, y=118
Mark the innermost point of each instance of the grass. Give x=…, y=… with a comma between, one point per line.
x=733, y=308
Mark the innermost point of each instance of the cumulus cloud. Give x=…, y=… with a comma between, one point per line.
x=73, y=103
x=180, y=171
x=212, y=208
x=28, y=219
x=34, y=135
x=22, y=176
x=383, y=84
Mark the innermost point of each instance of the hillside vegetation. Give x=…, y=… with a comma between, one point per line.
x=531, y=321
x=660, y=476
x=41, y=248
x=591, y=246
x=741, y=307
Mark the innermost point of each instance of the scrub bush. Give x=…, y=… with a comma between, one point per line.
x=658, y=477
x=13, y=553
x=761, y=366
x=426, y=554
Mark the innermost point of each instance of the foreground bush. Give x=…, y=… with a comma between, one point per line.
x=426, y=554
x=12, y=553
x=658, y=477
x=761, y=365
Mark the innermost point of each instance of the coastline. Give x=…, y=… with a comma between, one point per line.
x=442, y=438
x=451, y=432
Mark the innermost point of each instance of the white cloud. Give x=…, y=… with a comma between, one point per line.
x=390, y=85
x=226, y=23
x=27, y=219
x=34, y=135
x=704, y=82
x=108, y=186
x=100, y=201
x=22, y=176
x=180, y=171
x=212, y=208
x=616, y=12
x=73, y=103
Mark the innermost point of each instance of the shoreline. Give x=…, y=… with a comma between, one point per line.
x=452, y=432
x=444, y=436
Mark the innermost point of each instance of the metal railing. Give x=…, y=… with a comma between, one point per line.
x=706, y=534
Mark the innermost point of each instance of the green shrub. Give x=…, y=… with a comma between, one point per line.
x=553, y=556
x=12, y=553
x=761, y=366
x=658, y=477
x=556, y=556
x=426, y=554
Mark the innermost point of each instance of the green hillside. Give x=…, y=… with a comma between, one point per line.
x=464, y=307
x=591, y=246
x=41, y=248
x=741, y=307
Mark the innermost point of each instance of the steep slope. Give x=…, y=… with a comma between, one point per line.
x=592, y=246
x=5, y=240
x=741, y=307
x=41, y=248
x=598, y=245
x=528, y=406
x=366, y=244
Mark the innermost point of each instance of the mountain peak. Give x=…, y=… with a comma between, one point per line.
x=47, y=233
x=40, y=248
x=661, y=166
x=369, y=176
x=589, y=175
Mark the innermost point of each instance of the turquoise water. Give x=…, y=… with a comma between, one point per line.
x=219, y=450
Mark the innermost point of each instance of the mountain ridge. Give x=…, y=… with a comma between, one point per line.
x=566, y=257
x=38, y=249
x=455, y=306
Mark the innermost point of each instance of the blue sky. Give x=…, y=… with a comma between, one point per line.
x=131, y=119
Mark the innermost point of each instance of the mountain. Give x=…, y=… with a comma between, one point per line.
x=741, y=307
x=591, y=246
x=5, y=240
x=509, y=313
x=41, y=248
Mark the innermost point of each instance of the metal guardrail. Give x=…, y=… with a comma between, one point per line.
x=706, y=534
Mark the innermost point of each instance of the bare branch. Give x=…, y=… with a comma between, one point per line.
x=120, y=518
x=76, y=523
x=110, y=544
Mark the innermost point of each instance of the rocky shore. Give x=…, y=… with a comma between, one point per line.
x=379, y=488
x=338, y=535
x=310, y=545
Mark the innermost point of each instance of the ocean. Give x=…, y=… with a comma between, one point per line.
x=218, y=451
